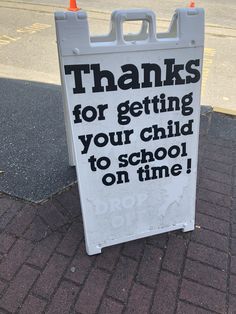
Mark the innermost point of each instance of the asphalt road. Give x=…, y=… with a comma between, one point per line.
x=28, y=48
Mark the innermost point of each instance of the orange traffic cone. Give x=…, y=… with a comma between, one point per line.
x=191, y=4
x=73, y=6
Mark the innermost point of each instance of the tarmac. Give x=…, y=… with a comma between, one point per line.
x=43, y=264
x=34, y=157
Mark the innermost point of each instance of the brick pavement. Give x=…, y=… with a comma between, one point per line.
x=44, y=267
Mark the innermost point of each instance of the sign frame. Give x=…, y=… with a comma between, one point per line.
x=117, y=213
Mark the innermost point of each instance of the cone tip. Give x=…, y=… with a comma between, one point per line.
x=73, y=6
x=192, y=4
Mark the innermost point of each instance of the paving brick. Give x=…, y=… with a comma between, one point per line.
x=108, y=258
x=207, y=154
x=215, y=186
x=175, y=254
x=206, y=297
x=74, y=189
x=15, y=258
x=70, y=203
x=159, y=240
x=211, y=239
x=233, y=264
x=221, y=142
x=63, y=299
x=234, y=167
x=71, y=239
x=232, y=286
x=37, y=231
x=212, y=223
x=122, y=278
x=214, y=198
x=51, y=275
x=217, y=166
x=3, y=285
x=232, y=304
x=5, y=203
x=51, y=215
x=233, y=245
x=93, y=289
x=207, y=255
x=234, y=212
x=6, y=241
x=205, y=275
x=233, y=230
x=80, y=265
x=213, y=210
x=33, y=304
x=165, y=294
x=8, y=214
x=109, y=306
x=216, y=153
x=43, y=250
x=22, y=220
x=134, y=249
x=18, y=289
x=149, y=266
x=139, y=300
x=216, y=176
x=185, y=308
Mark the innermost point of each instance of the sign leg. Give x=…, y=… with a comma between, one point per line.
x=189, y=226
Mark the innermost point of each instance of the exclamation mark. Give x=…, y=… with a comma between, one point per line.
x=189, y=165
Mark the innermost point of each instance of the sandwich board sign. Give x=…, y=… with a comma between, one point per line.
x=132, y=111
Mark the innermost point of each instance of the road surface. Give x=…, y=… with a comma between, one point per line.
x=28, y=47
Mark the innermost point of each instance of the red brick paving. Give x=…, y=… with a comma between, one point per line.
x=175, y=254
x=44, y=267
x=93, y=289
x=19, y=288
x=51, y=276
x=109, y=306
x=139, y=292
x=34, y=304
x=63, y=298
x=200, y=295
x=122, y=278
x=15, y=258
x=149, y=266
x=165, y=296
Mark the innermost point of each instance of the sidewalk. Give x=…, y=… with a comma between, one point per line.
x=44, y=267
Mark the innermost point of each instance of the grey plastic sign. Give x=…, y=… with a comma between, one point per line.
x=132, y=110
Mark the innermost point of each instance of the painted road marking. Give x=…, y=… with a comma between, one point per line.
x=35, y=27
x=209, y=54
x=5, y=39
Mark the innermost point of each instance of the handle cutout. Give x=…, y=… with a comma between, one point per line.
x=147, y=17
x=135, y=30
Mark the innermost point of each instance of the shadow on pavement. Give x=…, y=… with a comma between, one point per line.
x=33, y=151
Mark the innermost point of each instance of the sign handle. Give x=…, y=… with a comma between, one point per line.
x=120, y=16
